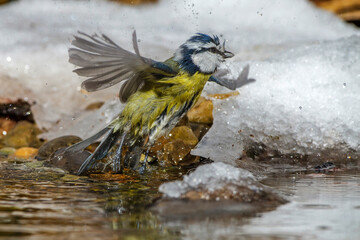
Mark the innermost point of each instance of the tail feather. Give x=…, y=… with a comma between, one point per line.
x=85, y=143
x=101, y=151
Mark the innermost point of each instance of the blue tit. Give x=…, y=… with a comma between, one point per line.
x=157, y=94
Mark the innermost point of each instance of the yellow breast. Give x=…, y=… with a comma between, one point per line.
x=156, y=108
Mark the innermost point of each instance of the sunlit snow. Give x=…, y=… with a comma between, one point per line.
x=211, y=177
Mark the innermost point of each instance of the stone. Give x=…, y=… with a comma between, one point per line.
x=6, y=125
x=346, y=9
x=224, y=95
x=47, y=149
x=201, y=112
x=16, y=110
x=6, y=151
x=174, y=149
x=26, y=152
x=94, y=106
x=24, y=134
x=69, y=161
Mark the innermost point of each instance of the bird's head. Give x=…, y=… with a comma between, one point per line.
x=201, y=53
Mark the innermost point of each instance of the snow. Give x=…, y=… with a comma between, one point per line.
x=304, y=61
x=305, y=101
x=210, y=177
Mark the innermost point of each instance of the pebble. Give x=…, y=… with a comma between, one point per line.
x=26, y=152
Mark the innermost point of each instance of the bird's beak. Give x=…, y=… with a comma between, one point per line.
x=227, y=54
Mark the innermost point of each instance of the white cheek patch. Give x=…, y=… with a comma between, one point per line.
x=207, y=62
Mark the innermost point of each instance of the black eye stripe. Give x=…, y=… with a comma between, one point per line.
x=212, y=50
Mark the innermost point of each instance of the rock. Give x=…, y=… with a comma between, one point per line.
x=46, y=150
x=200, y=129
x=16, y=110
x=6, y=151
x=94, y=106
x=220, y=181
x=175, y=148
x=346, y=9
x=24, y=134
x=201, y=112
x=68, y=161
x=224, y=95
x=6, y=125
x=26, y=152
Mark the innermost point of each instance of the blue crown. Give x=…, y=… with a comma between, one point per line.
x=204, y=38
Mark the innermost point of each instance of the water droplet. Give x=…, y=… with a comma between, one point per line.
x=8, y=59
x=26, y=68
x=4, y=133
x=73, y=118
x=344, y=85
x=300, y=107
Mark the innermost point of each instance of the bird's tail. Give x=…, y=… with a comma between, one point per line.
x=109, y=139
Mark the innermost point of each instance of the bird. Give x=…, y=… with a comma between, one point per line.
x=157, y=94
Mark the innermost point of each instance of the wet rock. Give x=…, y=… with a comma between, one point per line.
x=94, y=106
x=175, y=148
x=224, y=95
x=67, y=160
x=47, y=149
x=16, y=110
x=6, y=151
x=70, y=178
x=201, y=112
x=200, y=129
x=346, y=9
x=26, y=152
x=220, y=181
x=24, y=134
x=6, y=125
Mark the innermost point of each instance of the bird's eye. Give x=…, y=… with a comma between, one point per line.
x=213, y=50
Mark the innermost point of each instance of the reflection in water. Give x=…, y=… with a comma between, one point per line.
x=44, y=203
x=322, y=207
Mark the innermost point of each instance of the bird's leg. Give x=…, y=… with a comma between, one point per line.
x=117, y=158
x=143, y=167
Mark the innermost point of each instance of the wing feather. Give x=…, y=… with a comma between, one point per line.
x=101, y=59
x=130, y=87
x=105, y=64
x=105, y=81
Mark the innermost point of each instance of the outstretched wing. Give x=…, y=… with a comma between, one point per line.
x=106, y=64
